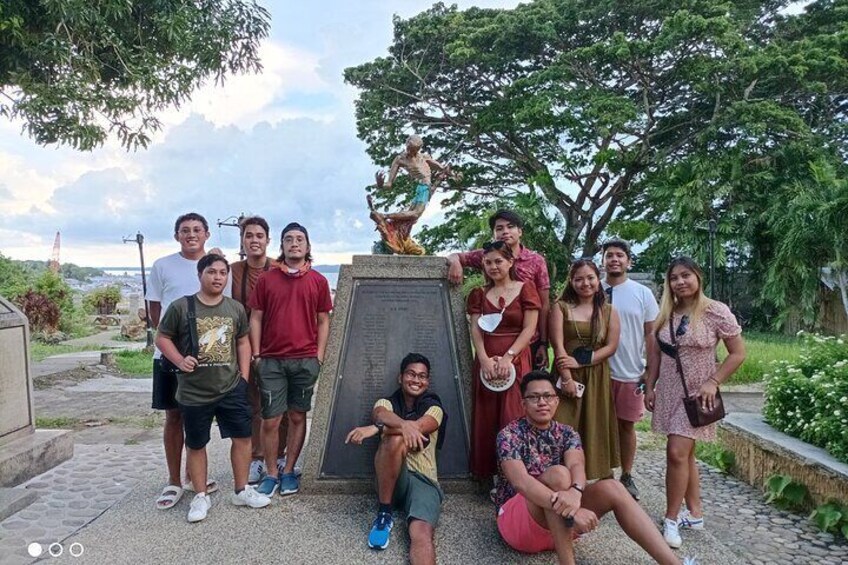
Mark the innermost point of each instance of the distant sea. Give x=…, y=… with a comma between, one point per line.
x=329, y=271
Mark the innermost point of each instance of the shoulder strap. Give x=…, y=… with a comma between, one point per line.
x=244, y=269
x=192, y=325
x=671, y=332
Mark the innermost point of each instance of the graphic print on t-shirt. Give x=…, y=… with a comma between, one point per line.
x=215, y=340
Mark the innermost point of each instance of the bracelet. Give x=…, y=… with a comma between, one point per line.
x=715, y=381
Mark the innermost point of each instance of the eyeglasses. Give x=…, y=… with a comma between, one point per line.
x=497, y=245
x=538, y=398
x=416, y=376
x=684, y=325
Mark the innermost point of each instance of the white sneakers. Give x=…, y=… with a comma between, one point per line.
x=201, y=503
x=671, y=534
x=686, y=520
x=249, y=497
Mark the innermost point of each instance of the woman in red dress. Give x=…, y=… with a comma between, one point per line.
x=505, y=345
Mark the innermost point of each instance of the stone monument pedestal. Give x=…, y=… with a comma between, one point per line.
x=385, y=307
x=24, y=451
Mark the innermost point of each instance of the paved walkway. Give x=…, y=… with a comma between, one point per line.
x=103, y=500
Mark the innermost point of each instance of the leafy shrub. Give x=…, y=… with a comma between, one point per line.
x=807, y=399
x=42, y=312
x=785, y=493
x=102, y=300
x=715, y=455
x=831, y=517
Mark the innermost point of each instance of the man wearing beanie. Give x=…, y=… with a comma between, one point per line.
x=289, y=325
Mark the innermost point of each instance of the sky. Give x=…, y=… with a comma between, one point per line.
x=281, y=144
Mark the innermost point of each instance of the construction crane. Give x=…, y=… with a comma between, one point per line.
x=53, y=263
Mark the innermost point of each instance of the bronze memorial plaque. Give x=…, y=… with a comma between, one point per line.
x=387, y=320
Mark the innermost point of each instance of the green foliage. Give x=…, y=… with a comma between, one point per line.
x=714, y=454
x=102, y=300
x=811, y=234
x=807, y=399
x=135, y=362
x=667, y=112
x=785, y=493
x=762, y=350
x=77, y=71
x=831, y=517
x=13, y=278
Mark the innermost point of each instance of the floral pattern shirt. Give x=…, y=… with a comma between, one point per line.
x=538, y=449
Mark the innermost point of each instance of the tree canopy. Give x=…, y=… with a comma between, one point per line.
x=583, y=102
x=76, y=71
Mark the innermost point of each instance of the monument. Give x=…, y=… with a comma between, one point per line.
x=24, y=451
x=385, y=307
x=395, y=228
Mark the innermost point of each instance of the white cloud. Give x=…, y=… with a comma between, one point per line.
x=245, y=100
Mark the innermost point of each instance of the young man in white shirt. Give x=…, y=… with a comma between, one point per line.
x=637, y=308
x=172, y=277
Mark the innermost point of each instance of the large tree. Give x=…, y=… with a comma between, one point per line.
x=76, y=71
x=581, y=101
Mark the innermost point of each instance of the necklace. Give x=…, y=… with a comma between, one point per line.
x=574, y=323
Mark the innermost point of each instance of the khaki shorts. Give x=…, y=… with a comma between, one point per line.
x=287, y=384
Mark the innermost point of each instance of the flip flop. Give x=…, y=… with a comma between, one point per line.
x=171, y=494
x=211, y=486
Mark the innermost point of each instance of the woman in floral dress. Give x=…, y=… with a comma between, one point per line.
x=698, y=323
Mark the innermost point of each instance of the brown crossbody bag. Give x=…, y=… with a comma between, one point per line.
x=698, y=415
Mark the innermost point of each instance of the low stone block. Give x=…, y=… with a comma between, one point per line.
x=762, y=451
x=13, y=500
x=29, y=456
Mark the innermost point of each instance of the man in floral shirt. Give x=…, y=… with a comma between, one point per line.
x=543, y=499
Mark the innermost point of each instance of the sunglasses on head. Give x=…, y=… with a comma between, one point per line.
x=497, y=245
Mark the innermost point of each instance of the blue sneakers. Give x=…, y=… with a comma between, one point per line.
x=289, y=484
x=267, y=486
x=378, y=538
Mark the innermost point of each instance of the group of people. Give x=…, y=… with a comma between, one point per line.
x=548, y=432
x=242, y=344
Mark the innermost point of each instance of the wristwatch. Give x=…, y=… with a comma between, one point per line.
x=510, y=352
x=379, y=425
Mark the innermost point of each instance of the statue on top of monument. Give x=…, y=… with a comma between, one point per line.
x=395, y=227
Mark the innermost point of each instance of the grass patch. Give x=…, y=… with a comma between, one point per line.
x=57, y=423
x=149, y=422
x=761, y=349
x=40, y=351
x=135, y=362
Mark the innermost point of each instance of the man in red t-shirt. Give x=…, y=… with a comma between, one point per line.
x=289, y=325
x=255, y=235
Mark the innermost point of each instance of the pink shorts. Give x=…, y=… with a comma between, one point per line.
x=520, y=530
x=628, y=405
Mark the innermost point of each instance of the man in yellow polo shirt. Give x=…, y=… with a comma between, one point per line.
x=411, y=423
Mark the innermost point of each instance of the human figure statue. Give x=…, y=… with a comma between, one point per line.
x=396, y=227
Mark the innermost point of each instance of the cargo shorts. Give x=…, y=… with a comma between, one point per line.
x=286, y=384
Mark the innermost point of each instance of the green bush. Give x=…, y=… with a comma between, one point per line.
x=784, y=492
x=807, y=399
x=102, y=300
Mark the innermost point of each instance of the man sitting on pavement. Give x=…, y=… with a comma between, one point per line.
x=206, y=336
x=543, y=499
x=411, y=427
